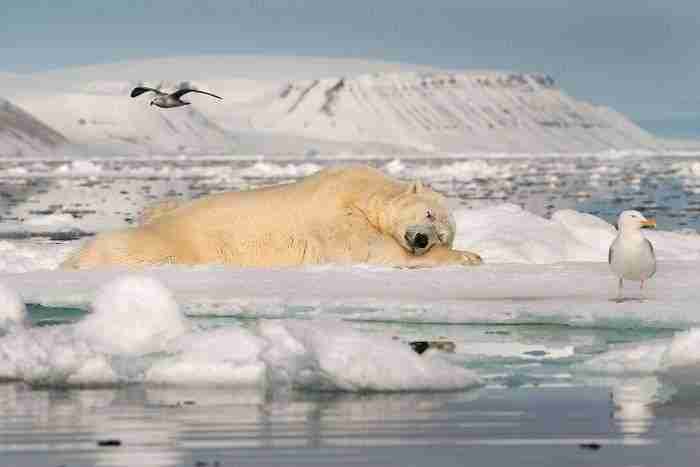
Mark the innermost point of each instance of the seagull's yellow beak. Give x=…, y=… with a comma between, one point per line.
x=650, y=223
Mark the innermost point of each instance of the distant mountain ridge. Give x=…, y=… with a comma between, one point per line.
x=449, y=112
x=379, y=109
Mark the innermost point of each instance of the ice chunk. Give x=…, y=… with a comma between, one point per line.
x=333, y=356
x=629, y=359
x=50, y=223
x=133, y=314
x=218, y=357
x=24, y=256
x=676, y=359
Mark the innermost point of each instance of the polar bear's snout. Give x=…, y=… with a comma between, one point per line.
x=420, y=238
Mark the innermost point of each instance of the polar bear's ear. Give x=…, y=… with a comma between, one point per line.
x=416, y=187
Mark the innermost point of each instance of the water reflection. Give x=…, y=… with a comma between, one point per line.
x=182, y=426
x=634, y=400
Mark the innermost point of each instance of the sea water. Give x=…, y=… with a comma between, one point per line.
x=311, y=366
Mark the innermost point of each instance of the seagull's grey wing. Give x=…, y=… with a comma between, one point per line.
x=653, y=255
x=610, y=253
x=138, y=90
x=181, y=92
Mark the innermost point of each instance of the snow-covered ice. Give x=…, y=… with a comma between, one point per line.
x=136, y=333
x=132, y=315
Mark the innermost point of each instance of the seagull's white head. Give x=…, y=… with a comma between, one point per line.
x=633, y=220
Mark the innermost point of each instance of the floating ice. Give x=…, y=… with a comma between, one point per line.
x=267, y=170
x=218, y=357
x=676, y=359
x=79, y=168
x=136, y=334
x=462, y=170
x=50, y=223
x=327, y=355
x=23, y=256
x=629, y=359
x=132, y=315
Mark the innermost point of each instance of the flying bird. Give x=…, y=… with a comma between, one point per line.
x=165, y=100
x=631, y=255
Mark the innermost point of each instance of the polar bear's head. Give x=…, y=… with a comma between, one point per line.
x=420, y=219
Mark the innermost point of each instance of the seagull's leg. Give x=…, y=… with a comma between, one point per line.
x=641, y=290
x=619, y=290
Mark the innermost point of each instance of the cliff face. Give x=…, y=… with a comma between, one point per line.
x=22, y=134
x=448, y=112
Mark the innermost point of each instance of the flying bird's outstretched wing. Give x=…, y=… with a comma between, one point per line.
x=138, y=90
x=181, y=92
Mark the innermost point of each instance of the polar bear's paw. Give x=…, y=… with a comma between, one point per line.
x=469, y=259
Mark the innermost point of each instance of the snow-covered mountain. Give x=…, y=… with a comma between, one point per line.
x=22, y=134
x=449, y=112
x=106, y=119
x=284, y=106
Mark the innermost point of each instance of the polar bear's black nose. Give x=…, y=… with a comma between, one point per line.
x=420, y=240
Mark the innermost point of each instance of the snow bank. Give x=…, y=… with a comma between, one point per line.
x=136, y=334
x=12, y=309
x=507, y=233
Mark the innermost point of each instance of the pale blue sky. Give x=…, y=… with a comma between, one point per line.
x=640, y=57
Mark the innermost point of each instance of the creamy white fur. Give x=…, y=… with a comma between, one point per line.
x=339, y=215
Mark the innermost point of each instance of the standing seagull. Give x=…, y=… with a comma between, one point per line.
x=165, y=100
x=631, y=255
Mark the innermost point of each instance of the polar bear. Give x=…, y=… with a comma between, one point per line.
x=338, y=215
